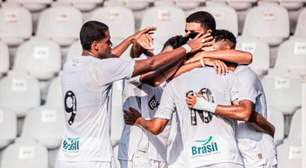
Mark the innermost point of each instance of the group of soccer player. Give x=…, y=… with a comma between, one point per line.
x=194, y=104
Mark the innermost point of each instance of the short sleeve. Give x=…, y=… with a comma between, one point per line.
x=234, y=87
x=167, y=105
x=109, y=70
x=247, y=90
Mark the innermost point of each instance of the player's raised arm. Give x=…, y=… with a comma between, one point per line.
x=133, y=39
x=233, y=56
x=152, y=63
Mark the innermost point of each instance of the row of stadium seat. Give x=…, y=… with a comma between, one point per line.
x=42, y=58
x=86, y=5
x=62, y=23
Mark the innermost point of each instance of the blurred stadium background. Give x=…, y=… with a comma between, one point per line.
x=38, y=36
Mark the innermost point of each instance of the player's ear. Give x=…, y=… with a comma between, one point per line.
x=94, y=46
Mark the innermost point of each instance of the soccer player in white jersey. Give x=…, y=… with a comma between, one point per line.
x=87, y=87
x=255, y=143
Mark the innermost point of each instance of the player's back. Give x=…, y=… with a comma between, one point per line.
x=87, y=88
x=207, y=139
x=86, y=116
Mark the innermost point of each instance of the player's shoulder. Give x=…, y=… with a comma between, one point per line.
x=244, y=71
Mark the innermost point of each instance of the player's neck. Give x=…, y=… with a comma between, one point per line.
x=88, y=53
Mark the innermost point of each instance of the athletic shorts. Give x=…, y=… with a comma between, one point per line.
x=64, y=164
x=141, y=161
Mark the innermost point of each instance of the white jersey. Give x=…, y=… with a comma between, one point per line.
x=87, y=88
x=257, y=148
x=206, y=139
x=149, y=104
x=145, y=99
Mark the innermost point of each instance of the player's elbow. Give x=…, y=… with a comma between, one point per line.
x=248, y=58
x=155, y=131
x=245, y=115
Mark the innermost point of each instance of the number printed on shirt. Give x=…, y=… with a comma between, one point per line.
x=70, y=105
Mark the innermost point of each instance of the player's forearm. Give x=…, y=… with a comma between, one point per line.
x=262, y=124
x=186, y=68
x=161, y=75
x=233, y=56
x=152, y=63
x=234, y=112
x=122, y=46
x=150, y=125
x=136, y=51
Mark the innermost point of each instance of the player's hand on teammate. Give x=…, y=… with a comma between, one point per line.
x=200, y=41
x=191, y=101
x=143, y=38
x=131, y=116
x=220, y=67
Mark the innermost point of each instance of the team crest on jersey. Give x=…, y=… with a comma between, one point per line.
x=153, y=103
x=71, y=145
x=204, y=147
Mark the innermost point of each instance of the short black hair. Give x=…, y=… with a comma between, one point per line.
x=204, y=18
x=175, y=42
x=92, y=31
x=225, y=35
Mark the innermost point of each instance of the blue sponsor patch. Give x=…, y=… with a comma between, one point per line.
x=71, y=145
x=204, y=147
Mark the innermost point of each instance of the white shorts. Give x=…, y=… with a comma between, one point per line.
x=64, y=164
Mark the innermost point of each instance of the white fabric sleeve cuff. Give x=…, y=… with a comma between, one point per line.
x=202, y=104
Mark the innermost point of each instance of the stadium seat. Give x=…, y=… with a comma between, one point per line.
x=25, y=153
x=269, y=22
x=4, y=58
x=8, y=127
x=74, y=50
x=277, y=119
x=163, y=2
x=39, y=57
x=61, y=24
x=132, y=4
x=290, y=153
x=83, y=5
x=169, y=21
x=19, y=92
x=116, y=17
x=54, y=96
x=240, y=5
x=225, y=16
x=292, y=57
x=46, y=125
x=283, y=93
x=33, y=5
x=301, y=24
x=291, y=4
x=52, y=156
x=15, y=24
x=187, y=4
x=260, y=51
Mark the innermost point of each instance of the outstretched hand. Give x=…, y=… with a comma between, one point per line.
x=143, y=38
x=131, y=116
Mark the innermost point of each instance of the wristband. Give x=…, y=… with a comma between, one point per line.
x=202, y=62
x=202, y=104
x=187, y=48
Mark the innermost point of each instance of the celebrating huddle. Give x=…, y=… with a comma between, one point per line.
x=195, y=104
